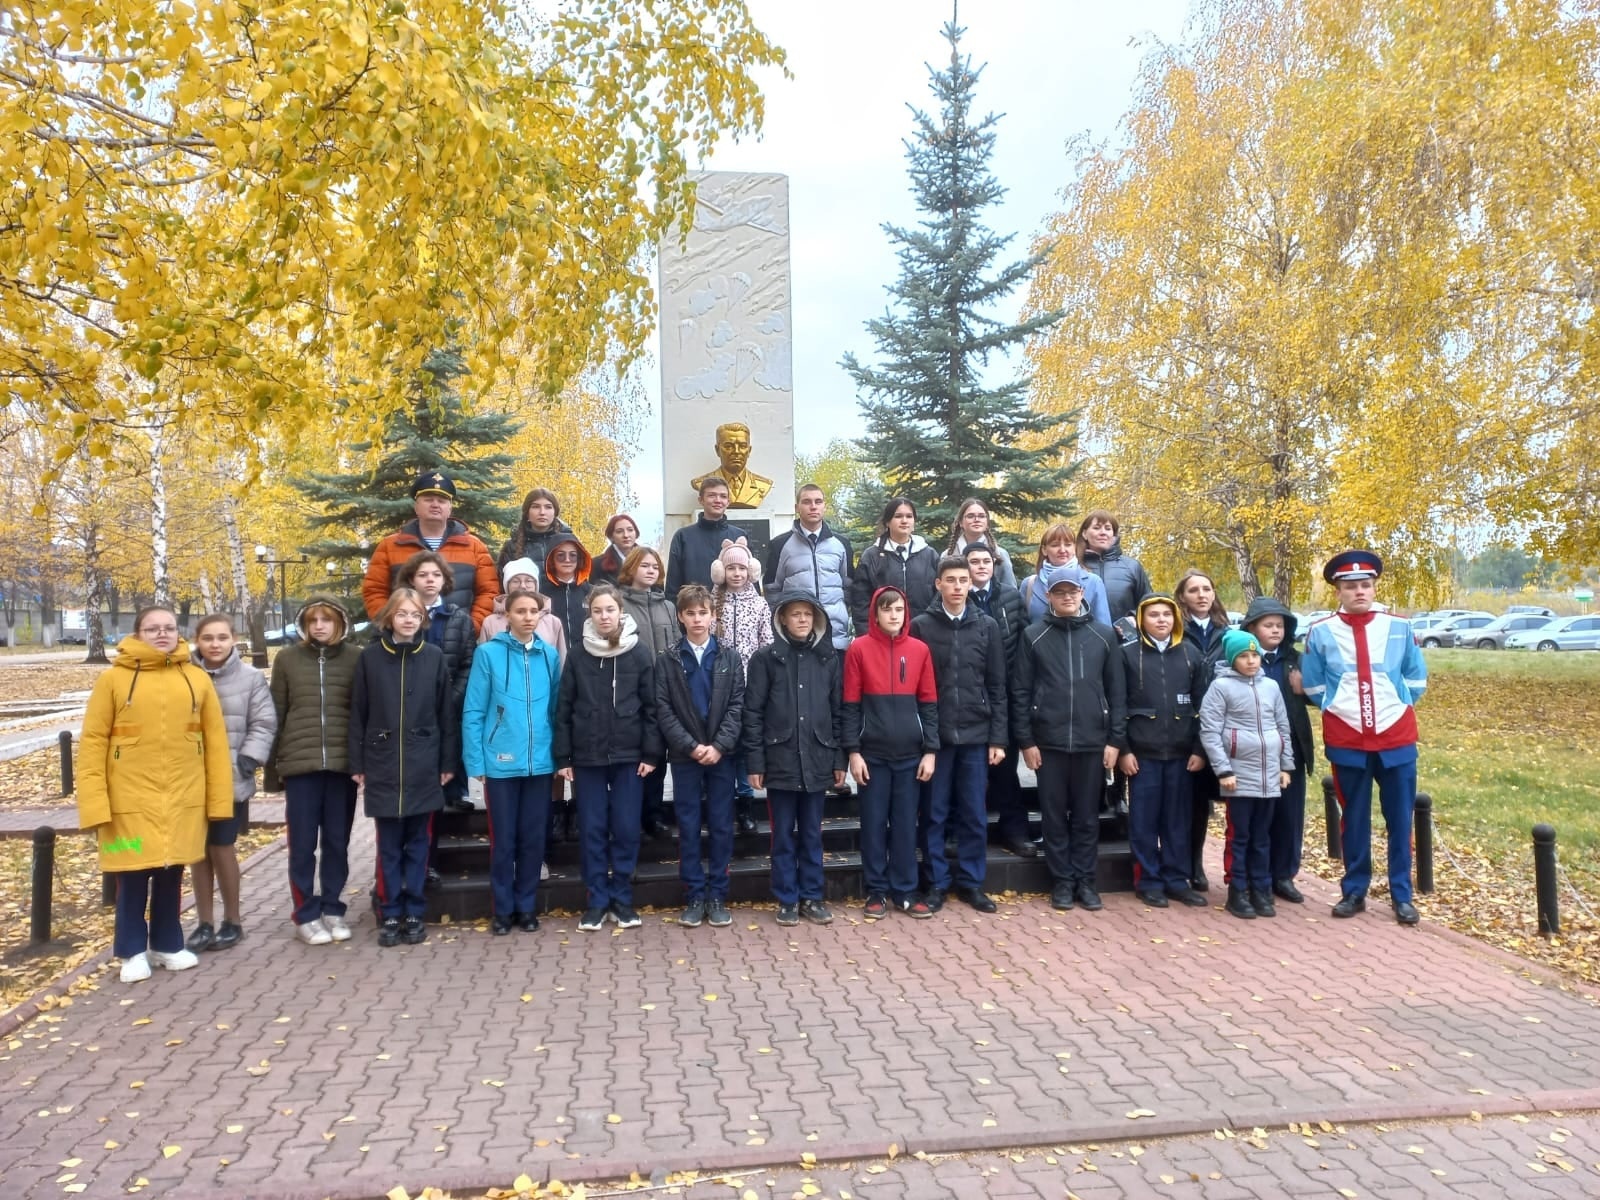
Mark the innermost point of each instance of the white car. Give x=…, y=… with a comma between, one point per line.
x=1564, y=633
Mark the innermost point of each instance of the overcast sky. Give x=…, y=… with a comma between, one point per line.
x=1053, y=68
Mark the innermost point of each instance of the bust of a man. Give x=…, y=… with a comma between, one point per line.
x=746, y=489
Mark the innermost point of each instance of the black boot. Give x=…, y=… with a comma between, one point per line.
x=743, y=821
x=1262, y=903
x=1239, y=904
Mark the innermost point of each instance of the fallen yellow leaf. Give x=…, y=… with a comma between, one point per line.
x=613, y=1119
x=235, y=1129
x=522, y=1183
x=169, y=1151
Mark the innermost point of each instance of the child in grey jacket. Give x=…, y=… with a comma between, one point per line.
x=1244, y=730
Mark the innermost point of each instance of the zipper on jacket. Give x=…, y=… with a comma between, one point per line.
x=322, y=707
x=527, y=691
x=401, y=811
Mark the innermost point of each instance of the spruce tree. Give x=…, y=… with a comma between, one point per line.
x=937, y=431
x=359, y=507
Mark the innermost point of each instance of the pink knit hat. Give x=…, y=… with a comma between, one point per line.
x=733, y=554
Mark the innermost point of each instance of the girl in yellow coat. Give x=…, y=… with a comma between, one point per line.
x=153, y=768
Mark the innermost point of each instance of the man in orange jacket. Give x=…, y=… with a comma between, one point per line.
x=476, y=581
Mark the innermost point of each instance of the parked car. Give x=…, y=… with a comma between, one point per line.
x=1424, y=625
x=1444, y=633
x=1533, y=609
x=1564, y=633
x=1493, y=635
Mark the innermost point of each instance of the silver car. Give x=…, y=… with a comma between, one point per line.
x=1564, y=633
x=1493, y=635
x=1444, y=633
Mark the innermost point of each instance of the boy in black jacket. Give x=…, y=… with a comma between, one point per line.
x=700, y=706
x=1069, y=709
x=969, y=667
x=1274, y=628
x=1166, y=677
x=793, y=746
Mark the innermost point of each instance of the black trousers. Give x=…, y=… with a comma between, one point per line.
x=1070, y=786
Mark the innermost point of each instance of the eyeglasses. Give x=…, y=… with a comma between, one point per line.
x=158, y=630
x=565, y=556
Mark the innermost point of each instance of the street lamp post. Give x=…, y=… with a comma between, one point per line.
x=262, y=557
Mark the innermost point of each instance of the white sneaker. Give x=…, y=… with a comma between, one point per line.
x=338, y=931
x=313, y=933
x=544, y=872
x=136, y=969
x=178, y=960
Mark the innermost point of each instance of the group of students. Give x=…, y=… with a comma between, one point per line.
x=955, y=674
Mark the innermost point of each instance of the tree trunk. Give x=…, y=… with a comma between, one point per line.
x=208, y=600
x=160, y=559
x=95, y=580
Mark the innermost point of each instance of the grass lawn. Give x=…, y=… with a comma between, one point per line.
x=1508, y=741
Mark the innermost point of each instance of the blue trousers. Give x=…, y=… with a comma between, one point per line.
x=1247, y=853
x=608, y=827
x=703, y=795
x=796, y=845
x=519, y=809
x=319, y=807
x=1397, y=794
x=955, y=797
x=889, y=808
x=1289, y=827
x=1160, y=802
x=402, y=864
x=161, y=888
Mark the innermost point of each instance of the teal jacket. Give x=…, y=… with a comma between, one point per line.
x=508, y=724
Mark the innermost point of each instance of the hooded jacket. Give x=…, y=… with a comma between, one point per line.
x=793, y=713
x=654, y=614
x=476, y=581
x=1124, y=579
x=508, y=721
x=403, y=728
x=311, y=685
x=568, y=600
x=606, y=714
x=1244, y=728
x=682, y=726
x=450, y=629
x=1164, y=691
x=694, y=548
x=247, y=711
x=969, y=664
x=1067, y=689
x=153, y=759
x=882, y=565
x=891, y=699
x=1276, y=665
x=534, y=543
x=547, y=628
x=822, y=564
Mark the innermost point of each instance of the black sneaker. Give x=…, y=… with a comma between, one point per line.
x=625, y=917
x=593, y=920
x=717, y=914
x=499, y=926
x=229, y=935
x=201, y=938
x=389, y=932
x=934, y=900
x=976, y=899
x=1089, y=898
x=788, y=914
x=914, y=907
x=816, y=912
x=1154, y=899
x=1062, y=897
x=693, y=914
x=527, y=922
x=415, y=932
x=876, y=908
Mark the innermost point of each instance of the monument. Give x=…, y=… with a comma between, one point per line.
x=727, y=388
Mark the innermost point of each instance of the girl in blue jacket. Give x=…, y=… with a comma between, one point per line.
x=507, y=730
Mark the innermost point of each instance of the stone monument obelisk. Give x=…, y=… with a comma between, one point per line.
x=727, y=385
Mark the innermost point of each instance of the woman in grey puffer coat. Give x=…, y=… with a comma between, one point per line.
x=252, y=724
x=1244, y=730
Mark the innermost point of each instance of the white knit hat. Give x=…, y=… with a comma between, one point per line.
x=519, y=566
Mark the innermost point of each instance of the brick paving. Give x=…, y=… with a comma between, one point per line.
x=280, y=1069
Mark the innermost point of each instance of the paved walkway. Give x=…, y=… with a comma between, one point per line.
x=282, y=1070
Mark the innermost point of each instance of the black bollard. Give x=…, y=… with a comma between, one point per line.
x=1330, y=812
x=1544, y=879
x=65, y=741
x=1422, y=831
x=108, y=889
x=44, y=878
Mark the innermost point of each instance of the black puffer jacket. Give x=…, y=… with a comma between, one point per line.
x=1164, y=691
x=1005, y=606
x=1067, y=689
x=535, y=543
x=793, y=706
x=311, y=686
x=451, y=630
x=682, y=727
x=915, y=574
x=403, y=728
x=607, y=710
x=969, y=664
x=1283, y=660
x=1125, y=578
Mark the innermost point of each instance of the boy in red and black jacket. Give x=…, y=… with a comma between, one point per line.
x=891, y=733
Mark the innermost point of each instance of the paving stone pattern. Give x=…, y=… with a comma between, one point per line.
x=347, y=1069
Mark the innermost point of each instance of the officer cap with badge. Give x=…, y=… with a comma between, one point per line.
x=434, y=483
x=1352, y=564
